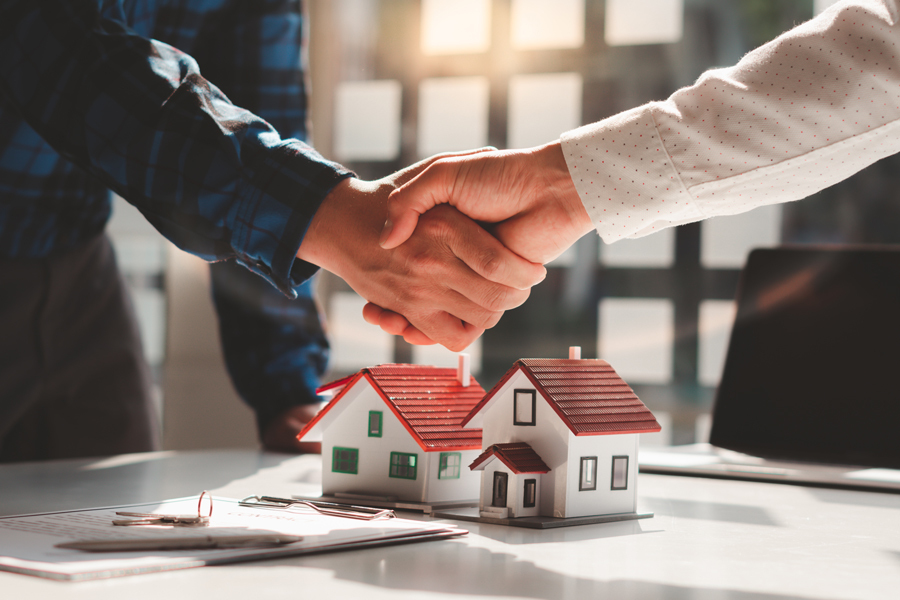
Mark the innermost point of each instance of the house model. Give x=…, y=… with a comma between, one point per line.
x=393, y=433
x=560, y=440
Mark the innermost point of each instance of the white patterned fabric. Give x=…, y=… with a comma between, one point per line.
x=807, y=110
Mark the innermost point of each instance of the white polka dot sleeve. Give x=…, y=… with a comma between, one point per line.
x=799, y=114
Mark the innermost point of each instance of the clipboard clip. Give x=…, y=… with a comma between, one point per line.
x=332, y=509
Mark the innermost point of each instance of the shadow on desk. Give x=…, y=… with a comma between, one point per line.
x=470, y=571
x=711, y=511
x=125, y=479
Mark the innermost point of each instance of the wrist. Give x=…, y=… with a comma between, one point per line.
x=550, y=162
x=339, y=217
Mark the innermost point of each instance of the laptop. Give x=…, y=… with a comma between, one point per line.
x=810, y=391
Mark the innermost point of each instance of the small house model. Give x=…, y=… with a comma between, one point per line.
x=393, y=432
x=560, y=440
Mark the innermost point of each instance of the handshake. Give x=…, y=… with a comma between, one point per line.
x=442, y=248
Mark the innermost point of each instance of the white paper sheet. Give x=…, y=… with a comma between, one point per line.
x=27, y=542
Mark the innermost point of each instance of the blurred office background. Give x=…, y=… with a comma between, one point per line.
x=394, y=81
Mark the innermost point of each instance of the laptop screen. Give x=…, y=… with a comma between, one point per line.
x=813, y=365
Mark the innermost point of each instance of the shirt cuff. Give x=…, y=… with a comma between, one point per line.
x=277, y=204
x=625, y=178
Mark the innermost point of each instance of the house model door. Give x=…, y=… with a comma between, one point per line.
x=501, y=484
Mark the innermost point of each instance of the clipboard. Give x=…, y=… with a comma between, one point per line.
x=28, y=542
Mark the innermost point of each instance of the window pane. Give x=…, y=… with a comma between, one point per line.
x=403, y=465
x=453, y=114
x=716, y=319
x=375, y=423
x=541, y=107
x=652, y=251
x=821, y=5
x=344, y=460
x=528, y=500
x=588, y=473
x=449, y=465
x=726, y=241
x=542, y=24
x=367, y=120
x=455, y=26
x=524, y=408
x=355, y=344
x=630, y=22
x=620, y=473
x=637, y=338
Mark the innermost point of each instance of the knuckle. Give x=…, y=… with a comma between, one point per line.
x=490, y=319
x=491, y=265
x=498, y=298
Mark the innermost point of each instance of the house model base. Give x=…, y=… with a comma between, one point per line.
x=429, y=508
x=472, y=514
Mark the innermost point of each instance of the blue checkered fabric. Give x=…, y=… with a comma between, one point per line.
x=194, y=111
x=119, y=95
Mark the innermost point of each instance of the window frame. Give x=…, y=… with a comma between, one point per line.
x=582, y=486
x=414, y=467
x=335, y=460
x=443, y=467
x=533, y=395
x=525, y=502
x=380, y=414
x=612, y=476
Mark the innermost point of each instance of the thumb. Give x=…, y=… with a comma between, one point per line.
x=411, y=200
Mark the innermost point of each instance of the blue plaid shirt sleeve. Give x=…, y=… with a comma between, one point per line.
x=215, y=179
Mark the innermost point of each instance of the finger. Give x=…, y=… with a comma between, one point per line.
x=407, y=203
x=445, y=329
x=393, y=323
x=417, y=338
x=484, y=254
x=372, y=313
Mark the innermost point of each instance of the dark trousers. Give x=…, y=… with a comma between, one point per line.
x=73, y=379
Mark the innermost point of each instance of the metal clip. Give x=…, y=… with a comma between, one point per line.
x=198, y=520
x=347, y=511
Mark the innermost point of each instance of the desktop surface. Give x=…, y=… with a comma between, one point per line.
x=709, y=539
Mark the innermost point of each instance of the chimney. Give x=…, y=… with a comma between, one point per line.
x=462, y=372
x=574, y=352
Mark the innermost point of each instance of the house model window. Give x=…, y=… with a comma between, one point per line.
x=375, y=419
x=403, y=465
x=528, y=499
x=345, y=460
x=620, y=473
x=588, y=478
x=449, y=465
x=523, y=408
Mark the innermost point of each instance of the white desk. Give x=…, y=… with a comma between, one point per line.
x=709, y=540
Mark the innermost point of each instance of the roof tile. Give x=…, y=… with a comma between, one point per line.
x=519, y=457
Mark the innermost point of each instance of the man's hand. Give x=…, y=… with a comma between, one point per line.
x=281, y=434
x=451, y=280
x=527, y=194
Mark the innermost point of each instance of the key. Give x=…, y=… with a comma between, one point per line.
x=198, y=520
x=161, y=519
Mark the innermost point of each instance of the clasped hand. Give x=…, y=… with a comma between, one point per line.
x=526, y=197
x=450, y=279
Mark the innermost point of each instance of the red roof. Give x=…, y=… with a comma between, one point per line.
x=587, y=394
x=519, y=457
x=429, y=401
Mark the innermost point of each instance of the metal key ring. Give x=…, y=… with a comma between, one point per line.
x=200, y=505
